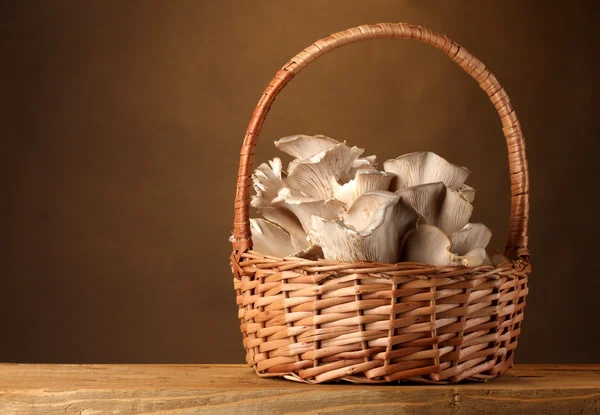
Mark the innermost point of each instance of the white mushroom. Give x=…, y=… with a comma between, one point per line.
x=318, y=175
x=271, y=239
x=430, y=245
x=473, y=235
x=425, y=167
x=455, y=212
x=427, y=199
x=495, y=258
x=362, y=211
x=313, y=252
x=363, y=163
x=304, y=207
x=438, y=205
x=267, y=180
x=378, y=239
x=333, y=203
x=365, y=180
x=285, y=218
x=467, y=192
x=302, y=146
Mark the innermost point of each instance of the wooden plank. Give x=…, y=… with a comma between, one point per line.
x=234, y=389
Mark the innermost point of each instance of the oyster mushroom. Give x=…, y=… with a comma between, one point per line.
x=467, y=192
x=425, y=167
x=286, y=219
x=363, y=163
x=362, y=211
x=304, y=207
x=470, y=237
x=430, y=245
x=438, y=205
x=333, y=203
x=271, y=239
x=365, y=180
x=267, y=180
x=495, y=258
x=318, y=175
x=372, y=231
x=302, y=146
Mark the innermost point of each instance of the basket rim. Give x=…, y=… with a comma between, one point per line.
x=252, y=261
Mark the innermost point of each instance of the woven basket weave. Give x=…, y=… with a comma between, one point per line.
x=318, y=321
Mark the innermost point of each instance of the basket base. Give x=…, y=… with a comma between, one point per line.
x=314, y=322
x=487, y=374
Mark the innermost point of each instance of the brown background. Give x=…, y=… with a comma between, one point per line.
x=122, y=120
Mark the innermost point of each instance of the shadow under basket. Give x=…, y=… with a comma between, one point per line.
x=321, y=321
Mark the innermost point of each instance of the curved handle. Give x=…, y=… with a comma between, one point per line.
x=516, y=245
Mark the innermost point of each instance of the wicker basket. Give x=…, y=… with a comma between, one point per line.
x=319, y=321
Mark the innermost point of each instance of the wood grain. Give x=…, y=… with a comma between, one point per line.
x=234, y=389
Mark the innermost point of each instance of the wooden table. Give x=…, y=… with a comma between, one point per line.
x=234, y=389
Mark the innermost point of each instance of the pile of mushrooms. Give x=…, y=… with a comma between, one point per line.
x=332, y=203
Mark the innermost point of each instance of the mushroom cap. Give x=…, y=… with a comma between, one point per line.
x=301, y=146
x=439, y=205
x=313, y=252
x=428, y=244
x=365, y=180
x=267, y=180
x=364, y=163
x=271, y=239
x=423, y=167
x=318, y=175
x=362, y=212
x=471, y=236
x=378, y=239
x=467, y=192
x=286, y=219
x=495, y=258
x=304, y=207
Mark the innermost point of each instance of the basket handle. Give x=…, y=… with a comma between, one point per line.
x=516, y=245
